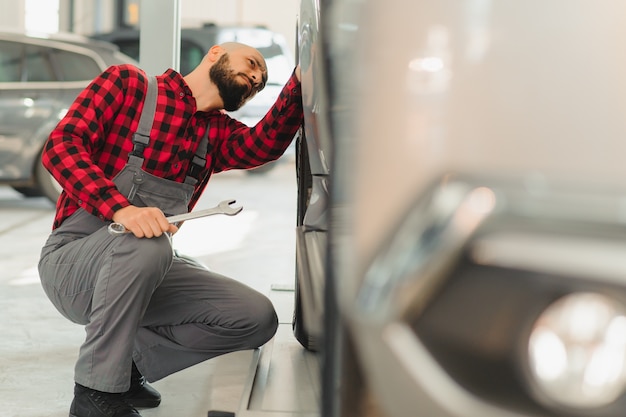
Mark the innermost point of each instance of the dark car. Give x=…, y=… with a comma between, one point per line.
x=195, y=43
x=474, y=228
x=40, y=76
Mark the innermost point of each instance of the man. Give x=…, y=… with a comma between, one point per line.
x=147, y=312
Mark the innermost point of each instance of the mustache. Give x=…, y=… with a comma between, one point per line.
x=250, y=87
x=253, y=86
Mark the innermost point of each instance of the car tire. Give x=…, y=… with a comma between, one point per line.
x=46, y=184
x=299, y=329
x=304, y=182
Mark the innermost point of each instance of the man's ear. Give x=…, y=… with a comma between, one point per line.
x=215, y=52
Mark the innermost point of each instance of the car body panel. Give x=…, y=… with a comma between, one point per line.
x=314, y=88
x=509, y=72
x=316, y=148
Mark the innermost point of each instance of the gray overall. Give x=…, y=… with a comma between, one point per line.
x=138, y=300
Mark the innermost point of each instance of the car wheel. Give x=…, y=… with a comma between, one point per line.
x=299, y=329
x=304, y=181
x=46, y=184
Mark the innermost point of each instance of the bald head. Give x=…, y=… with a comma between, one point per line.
x=236, y=72
x=240, y=48
x=233, y=46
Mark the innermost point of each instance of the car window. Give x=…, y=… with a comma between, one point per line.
x=190, y=53
x=128, y=47
x=190, y=56
x=278, y=66
x=75, y=67
x=271, y=51
x=10, y=62
x=37, y=64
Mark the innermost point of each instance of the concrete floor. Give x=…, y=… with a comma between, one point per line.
x=38, y=346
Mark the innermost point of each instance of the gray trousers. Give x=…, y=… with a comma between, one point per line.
x=141, y=302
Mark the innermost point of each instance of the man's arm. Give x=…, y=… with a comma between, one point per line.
x=69, y=151
x=245, y=147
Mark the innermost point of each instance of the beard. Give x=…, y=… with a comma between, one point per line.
x=233, y=94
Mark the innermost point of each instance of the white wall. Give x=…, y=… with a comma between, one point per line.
x=12, y=14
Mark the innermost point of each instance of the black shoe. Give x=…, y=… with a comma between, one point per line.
x=141, y=394
x=91, y=403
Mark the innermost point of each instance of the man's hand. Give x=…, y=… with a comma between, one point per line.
x=298, y=72
x=144, y=221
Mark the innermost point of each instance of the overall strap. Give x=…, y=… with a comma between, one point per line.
x=141, y=137
x=199, y=159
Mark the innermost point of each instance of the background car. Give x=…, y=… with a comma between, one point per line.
x=195, y=43
x=475, y=221
x=40, y=76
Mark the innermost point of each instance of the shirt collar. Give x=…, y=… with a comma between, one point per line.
x=176, y=82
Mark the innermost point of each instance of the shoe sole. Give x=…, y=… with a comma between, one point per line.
x=142, y=404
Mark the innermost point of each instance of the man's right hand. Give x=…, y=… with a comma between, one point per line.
x=144, y=221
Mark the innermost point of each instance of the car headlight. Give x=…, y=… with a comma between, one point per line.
x=577, y=351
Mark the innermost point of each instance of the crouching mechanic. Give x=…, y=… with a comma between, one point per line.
x=134, y=149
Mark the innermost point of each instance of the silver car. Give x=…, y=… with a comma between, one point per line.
x=475, y=226
x=40, y=76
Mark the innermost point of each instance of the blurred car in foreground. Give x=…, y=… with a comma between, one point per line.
x=40, y=76
x=476, y=230
x=195, y=43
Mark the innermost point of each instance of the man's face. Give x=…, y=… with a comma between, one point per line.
x=233, y=88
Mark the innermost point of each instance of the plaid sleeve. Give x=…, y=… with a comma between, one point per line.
x=71, y=147
x=245, y=147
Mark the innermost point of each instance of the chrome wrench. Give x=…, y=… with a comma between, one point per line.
x=223, y=207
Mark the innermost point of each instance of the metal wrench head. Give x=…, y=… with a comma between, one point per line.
x=227, y=209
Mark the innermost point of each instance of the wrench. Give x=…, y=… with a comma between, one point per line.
x=223, y=207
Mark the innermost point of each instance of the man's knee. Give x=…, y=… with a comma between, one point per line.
x=266, y=322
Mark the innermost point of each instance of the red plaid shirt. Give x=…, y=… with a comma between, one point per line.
x=90, y=145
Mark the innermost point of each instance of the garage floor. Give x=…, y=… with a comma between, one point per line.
x=38, y=346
